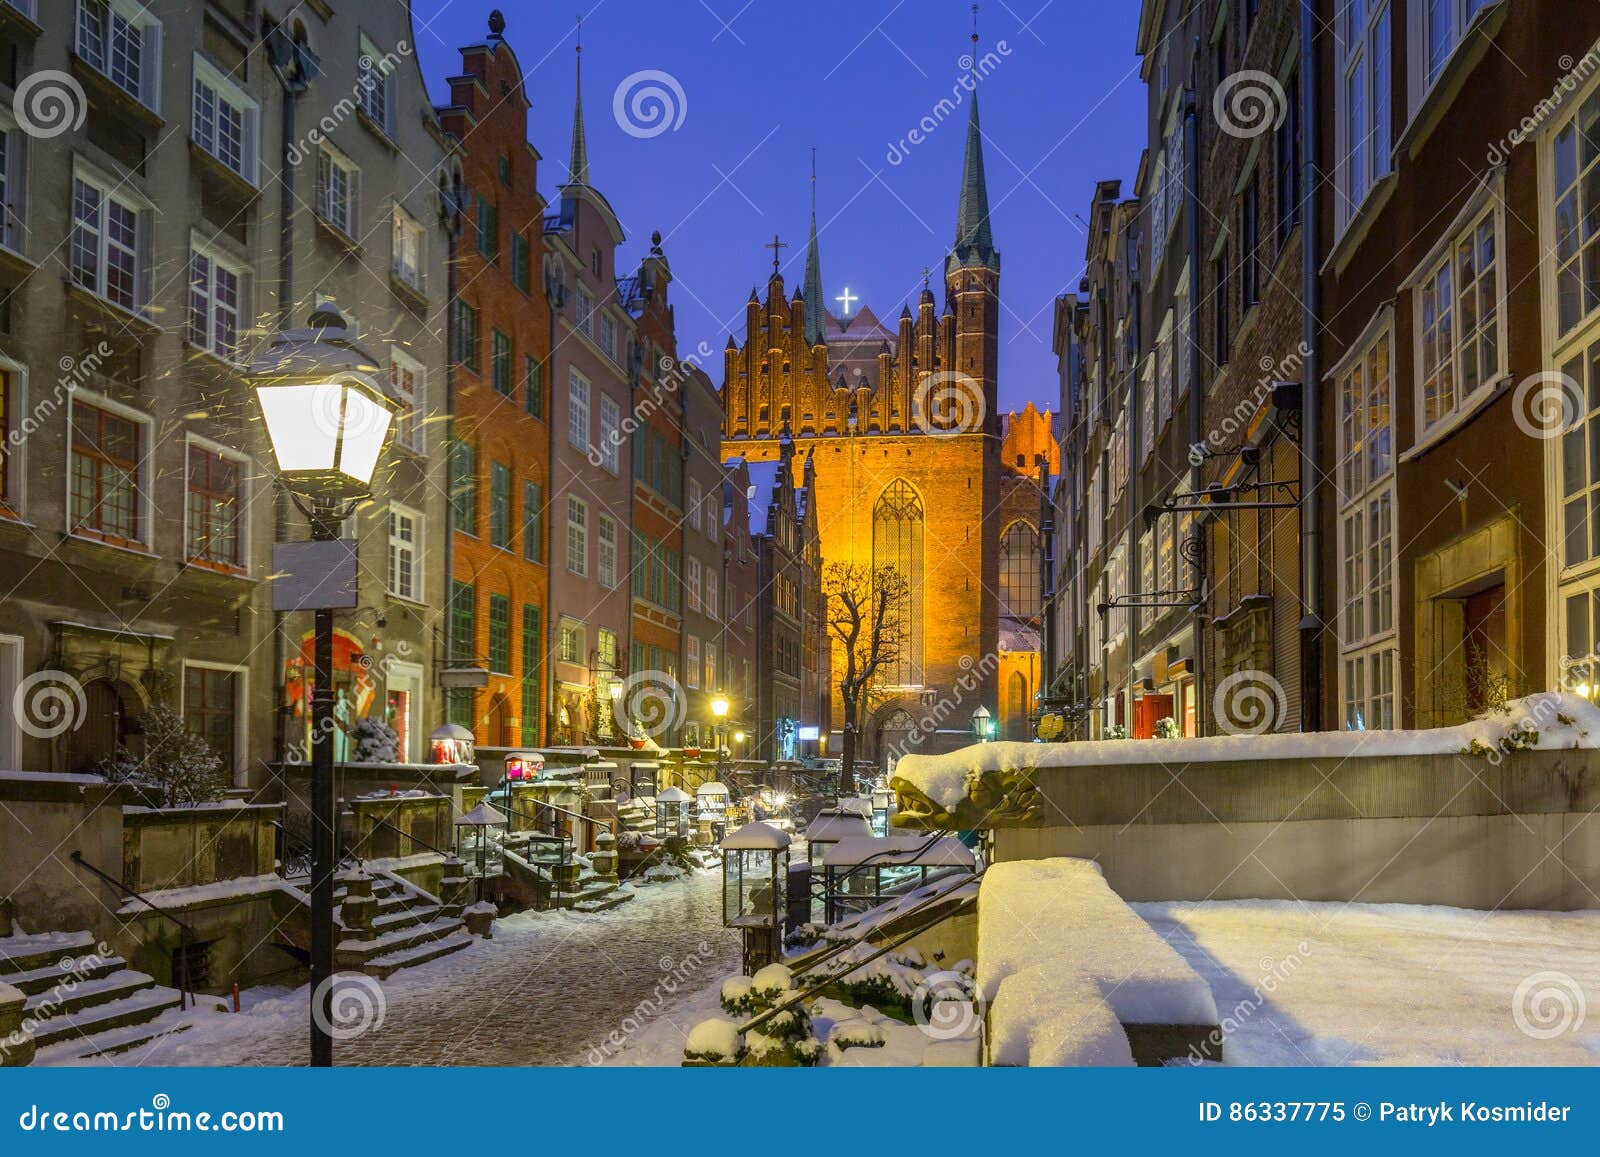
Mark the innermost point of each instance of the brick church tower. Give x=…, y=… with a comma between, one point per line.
x=901, y=427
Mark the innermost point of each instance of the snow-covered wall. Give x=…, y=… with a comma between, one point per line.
x=1490, y=814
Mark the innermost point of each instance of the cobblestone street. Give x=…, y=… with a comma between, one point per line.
x=550, y=988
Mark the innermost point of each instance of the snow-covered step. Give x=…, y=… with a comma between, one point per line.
x=114, y=1041
x=37, y=950
x=87, y=993
x=605, y=903
x=357, y=955
x=144, y=1005
x=44, y=978
x=395, y=920
x=388, y=964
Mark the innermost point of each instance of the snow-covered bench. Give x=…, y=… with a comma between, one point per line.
x=1072, y=976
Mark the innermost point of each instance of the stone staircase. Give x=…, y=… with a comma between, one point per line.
x=597, y=888
x=636, y=815
x=108, y=1009
x=387, y=924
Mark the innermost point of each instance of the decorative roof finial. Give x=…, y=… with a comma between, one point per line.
x=578, y=164
x=497, y=25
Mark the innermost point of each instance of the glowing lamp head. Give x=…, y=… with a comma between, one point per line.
x=327, y=416
x=719, y=707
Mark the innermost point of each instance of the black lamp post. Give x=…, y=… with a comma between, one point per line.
x=328, y=419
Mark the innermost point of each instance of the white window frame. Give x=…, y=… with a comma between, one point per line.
x=577, y=535
x=578, y=395
x=372, y=62
x=408, y=234
x=193, y=441
x=691, y=663
x=141, y=482
x=112, y=191
x=1421, y=71
x=241, y=709
x=693, y=500
x=244, y=312
x=605, y=563
x=11, y=654
x=608, y=335
x=691, y=583
x=411, y=436
x=14, y=194
x=579, y=630
x=136, y=15
x=417, y=548
x=1487, y=205
x=1360, y=493
x=1357, y=49
x=226, y=91
x=708, y=603
x=610, y=434
x=329, y=160
x=583, y=310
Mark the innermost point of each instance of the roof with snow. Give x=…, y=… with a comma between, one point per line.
x=757, y=837
x=763, y=481
x=833, y=826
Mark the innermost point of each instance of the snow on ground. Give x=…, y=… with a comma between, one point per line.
x=1544, y=721
x=1393, y=984
x=549, y=988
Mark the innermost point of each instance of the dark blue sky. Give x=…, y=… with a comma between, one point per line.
x=763, y=82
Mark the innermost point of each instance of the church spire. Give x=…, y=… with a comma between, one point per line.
x=578, y=165
x=816, y=325
x=974, y=244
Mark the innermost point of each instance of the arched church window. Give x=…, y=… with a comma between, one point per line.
x=897, y=541
x=1019, y=572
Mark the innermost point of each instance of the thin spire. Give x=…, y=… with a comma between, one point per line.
x=578, y=165
x=974, y=244
x=816, y=326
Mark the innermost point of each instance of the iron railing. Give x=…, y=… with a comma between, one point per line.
x=186, y=938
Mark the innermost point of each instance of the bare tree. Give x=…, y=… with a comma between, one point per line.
x=865, y=606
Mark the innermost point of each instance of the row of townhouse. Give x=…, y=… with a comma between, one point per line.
x=1326, y=388
x=548, y=523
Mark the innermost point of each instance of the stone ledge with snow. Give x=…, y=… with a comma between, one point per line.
x=995, y=785
x=1061, y=959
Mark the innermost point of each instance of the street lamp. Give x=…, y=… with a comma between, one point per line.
x=328, y=420
x=982, y=724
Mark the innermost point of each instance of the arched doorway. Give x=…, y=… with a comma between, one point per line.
x=109, y=707
x=1017, y=706
x=897, y=541
x=894, y=739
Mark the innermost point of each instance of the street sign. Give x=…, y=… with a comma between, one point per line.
x=314, y=576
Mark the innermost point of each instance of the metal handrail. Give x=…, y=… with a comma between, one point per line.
x=926, y=902
x=289, y=838
x=185, y=933
x=874, y=861
x=564, y=842
x=811, y=990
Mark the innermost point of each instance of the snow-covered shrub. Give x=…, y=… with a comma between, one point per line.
x=1116, y=731
x=714, y=1042
x=856, y=1034
x=1166, y=728
x=374, y=741
x=772, y=983
x=786, y=1039
x=176, y=765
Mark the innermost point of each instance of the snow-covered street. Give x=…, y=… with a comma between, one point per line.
x=550, y=988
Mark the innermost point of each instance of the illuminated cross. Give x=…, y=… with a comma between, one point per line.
x=775, y=245
x=845, y=300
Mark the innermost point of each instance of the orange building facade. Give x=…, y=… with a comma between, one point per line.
x=500, y=346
